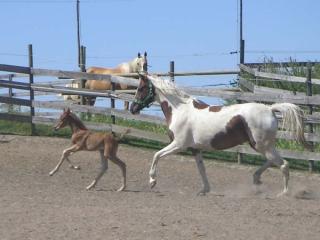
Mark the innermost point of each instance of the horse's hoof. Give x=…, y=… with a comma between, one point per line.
x=121, y=189
x=282, y=194
x=203, y=192
x=153, y=182
x=257, y=181
x=51, y=173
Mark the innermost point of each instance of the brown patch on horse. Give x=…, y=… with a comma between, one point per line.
x=215, y=108
x=202, y=105
x=167, y=111
x=199, y=104
x=237, y=132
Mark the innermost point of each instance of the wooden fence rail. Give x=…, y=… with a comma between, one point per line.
x=224, y=94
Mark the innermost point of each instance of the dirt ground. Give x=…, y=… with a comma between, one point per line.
x=34, y=205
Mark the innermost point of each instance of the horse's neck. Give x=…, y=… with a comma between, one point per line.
x=173, y=100
x=76, y=126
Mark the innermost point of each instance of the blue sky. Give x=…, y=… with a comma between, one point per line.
x=198, y=35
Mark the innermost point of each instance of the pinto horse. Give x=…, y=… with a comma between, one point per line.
x=198, y=126
x=138, y=64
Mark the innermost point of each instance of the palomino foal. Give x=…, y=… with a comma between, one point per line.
x=196, y=125
x=85, y=140
x=137, y=65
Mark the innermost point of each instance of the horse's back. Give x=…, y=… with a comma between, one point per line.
x=101, y=70
x=104, y=84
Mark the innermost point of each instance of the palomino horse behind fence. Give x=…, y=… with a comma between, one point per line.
x=194, y=124
x=85, y=140
x=138, y=64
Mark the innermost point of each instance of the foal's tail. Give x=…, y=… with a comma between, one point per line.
x=118, y=138
x=292, y=119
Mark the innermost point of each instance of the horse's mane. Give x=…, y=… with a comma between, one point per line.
x=167, y=87
x=77, y=121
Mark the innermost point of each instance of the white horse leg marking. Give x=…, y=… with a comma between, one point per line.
x=171, y=148
x=273, y=156
x=202, y=171
x=65, y=155
x=104, y=167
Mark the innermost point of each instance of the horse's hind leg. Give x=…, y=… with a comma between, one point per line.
x=104, y=167
x=273, y=157
x=202, y=171
x=122, y=165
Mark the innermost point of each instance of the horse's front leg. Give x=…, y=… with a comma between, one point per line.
x=171, y=148
x=202, y=170
x=65, y=155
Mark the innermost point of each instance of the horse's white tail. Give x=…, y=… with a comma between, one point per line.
x=292, y=119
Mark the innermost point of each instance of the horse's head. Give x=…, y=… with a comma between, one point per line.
x=140, y=63
x=63, y=120
x=144, y=96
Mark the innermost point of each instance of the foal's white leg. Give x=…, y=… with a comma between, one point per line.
x=202, y=171
x=65, y=155
x=104, y=167
x=171, y=148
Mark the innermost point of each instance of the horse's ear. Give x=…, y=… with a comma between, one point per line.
x=139, y=55
x=68, y=110
x=145, y=54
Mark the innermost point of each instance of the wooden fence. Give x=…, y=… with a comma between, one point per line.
x=231, y=94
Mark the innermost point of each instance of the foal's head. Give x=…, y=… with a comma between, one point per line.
x=139, y=64
x=144, y=96
x=68, y=118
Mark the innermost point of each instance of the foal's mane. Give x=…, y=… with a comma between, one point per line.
x=77, y=121
x=167, y=87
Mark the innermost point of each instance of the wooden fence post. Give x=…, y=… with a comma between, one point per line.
x=10, y=93
x=33, y=129
x=113, y=103
x=239, y=155
x=310, y=125
x=171, y=73
x=82, y=69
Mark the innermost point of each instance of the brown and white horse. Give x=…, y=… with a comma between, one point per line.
x=138, y=64
x=193, y=124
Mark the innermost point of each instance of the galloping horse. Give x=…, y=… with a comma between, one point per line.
x=138, y=64
x=85, y=140
x=196, y=125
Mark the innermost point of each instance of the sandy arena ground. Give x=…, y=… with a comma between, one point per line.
x=34, y=205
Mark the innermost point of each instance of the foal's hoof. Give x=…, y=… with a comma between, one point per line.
x=75, y=167
x=92, y=185
x=153, y=182
x=121, y=188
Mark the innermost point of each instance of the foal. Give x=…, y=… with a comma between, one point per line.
x=83, y=139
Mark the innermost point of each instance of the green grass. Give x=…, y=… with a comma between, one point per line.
x=9, y=127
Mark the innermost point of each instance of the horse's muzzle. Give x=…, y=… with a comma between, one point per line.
x=134, y=108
